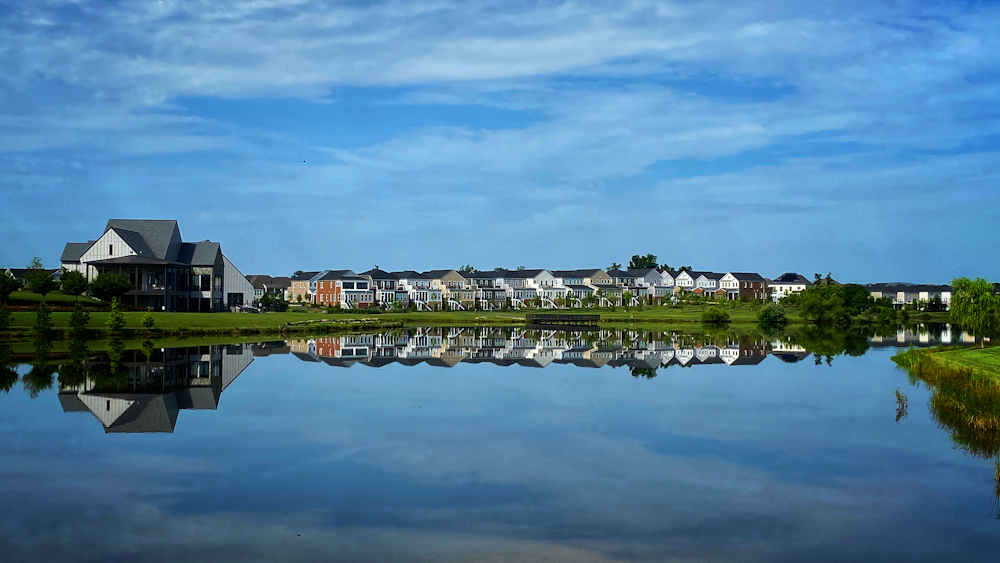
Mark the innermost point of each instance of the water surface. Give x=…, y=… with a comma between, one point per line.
x=465, y=445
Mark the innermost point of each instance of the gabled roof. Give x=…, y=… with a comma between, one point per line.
x=157, y=233
x=377, y=274
x=437, y=274
x=408, y=275
x=791, y=278
x=709, y=275
x=74, y=250
x=305, y=276
x=617, y=274
x=522, y=274
x=135, y=242
x=136, y=259
x=203, y=253
x=340, y=275
x=747, y=276
x=640, y=272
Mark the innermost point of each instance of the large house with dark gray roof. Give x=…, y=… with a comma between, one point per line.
x=167, y=274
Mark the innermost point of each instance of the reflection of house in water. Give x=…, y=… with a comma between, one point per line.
x=153, y=391
x=446, y=347
x=923, y=335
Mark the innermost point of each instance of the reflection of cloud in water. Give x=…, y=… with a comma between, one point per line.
x=776, y=463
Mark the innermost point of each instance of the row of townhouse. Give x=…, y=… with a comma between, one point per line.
x=449, y=346
x=437, y=289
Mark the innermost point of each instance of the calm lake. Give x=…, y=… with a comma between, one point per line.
x=487, y=445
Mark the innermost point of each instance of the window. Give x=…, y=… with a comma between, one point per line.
x=111, y=250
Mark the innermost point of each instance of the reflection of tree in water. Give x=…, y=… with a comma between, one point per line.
x=40, y=378
x=647, y=373
x=73, y=373
x=829, y=341
x=8, y=371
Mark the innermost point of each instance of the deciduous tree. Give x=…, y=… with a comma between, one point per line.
x=110, y=286
x=974, y=306
x=73, y=283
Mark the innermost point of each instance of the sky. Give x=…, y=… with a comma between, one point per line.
x=858, y=138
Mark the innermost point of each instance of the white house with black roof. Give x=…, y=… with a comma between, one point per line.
x=166, y=273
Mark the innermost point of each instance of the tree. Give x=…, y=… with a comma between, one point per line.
x=642, y=262
x=714, y=316
x=34, y=267
x=297, y=273
x=116, y=319
x=110, y=286
x=499, y=269
x=6, y=318
x=266, y=301
x=823, y=304
x=684, y=269
x=627, y=297
x=614, y=266
x=73, y=283
x=466, y=269
x=663, y=267
x=520, y=268
x=43, y=320
x=40, y=280
x=79, y=319
x=8, y=284
x=974, y=306
x=147, y=321
x=857, y=299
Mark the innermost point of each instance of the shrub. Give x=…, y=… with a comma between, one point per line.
x=116, y=319
x=772, y=314
x=714, y=315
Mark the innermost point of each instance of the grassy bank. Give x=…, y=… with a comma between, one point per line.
x=965, y=393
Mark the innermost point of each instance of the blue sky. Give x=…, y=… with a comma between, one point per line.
x=860, y=138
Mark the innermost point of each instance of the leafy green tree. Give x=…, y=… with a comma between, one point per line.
x=627, y=298
x=147, y=321
x=684, y=269
x=823, y=304
x=663, y=267
x=8, y=284
x=714, y=316
x=266, y=301
x=974, y=306
x=42, y=283
x=79, y=319
x=642, y=262
x=614, y=266
x=520, y=268
x=73, y=283
x=116, y=319
x=857, y=299
x=772, y=314
x=110, y=286
x=34, y=267
x=43, y=319
x=466, y=269
x=297, y=273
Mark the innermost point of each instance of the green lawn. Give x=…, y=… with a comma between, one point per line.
x=984, y=360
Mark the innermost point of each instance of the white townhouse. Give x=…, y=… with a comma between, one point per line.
x=787, y=284
x=708, y=282
x=420, y=290
x=744, y=285
x=685, y=281
x=903, y=294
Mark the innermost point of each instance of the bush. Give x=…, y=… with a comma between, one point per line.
x=714, y=315
x=772, y=314
x=116, y=319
